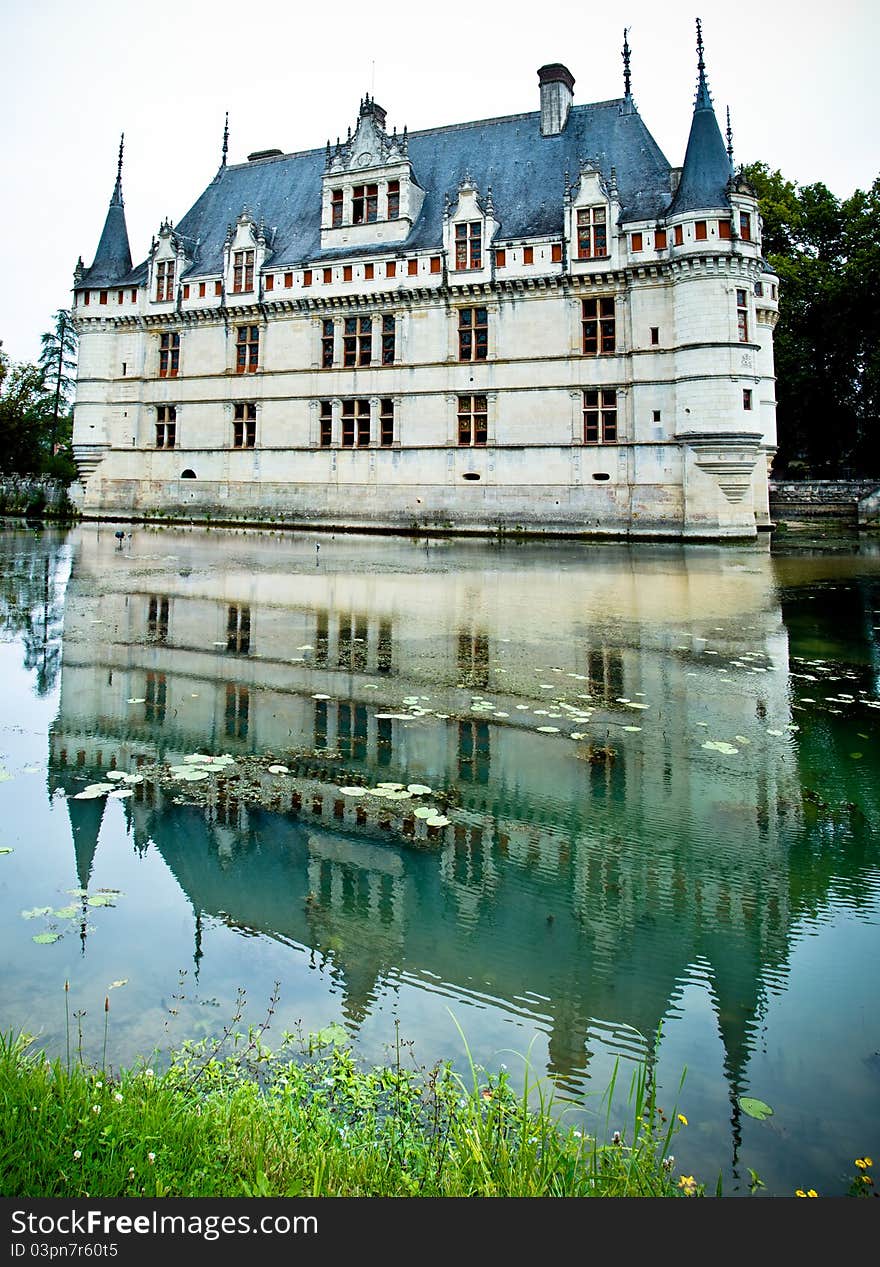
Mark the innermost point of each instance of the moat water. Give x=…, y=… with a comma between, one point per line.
x=634, y=815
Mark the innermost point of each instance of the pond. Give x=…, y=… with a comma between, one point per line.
x=602, y=804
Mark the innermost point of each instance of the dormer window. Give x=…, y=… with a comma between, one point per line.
x=469, y=245
x=165, y=281
x=393, y=199
x=365, y=204
x=242, y=272
x=336, y=198
x=592, y=233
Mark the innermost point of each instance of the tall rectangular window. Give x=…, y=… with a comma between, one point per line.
x=155, y=697
x=201, y=290
x=745, y=226
x=238, y=629
x=157, y=618
x=556, y=252
x=598, y=325
x=393, y=199
x=242, y=272
x=166, y=426
x=637, y=241
x=473, y=334
x=357, y=341
x=659, y=239
x=365, y=204
x=472, y=420
x=724, y=229
x=700, y=230
x=244, y=426
x=238, y=702
x=327, y=337
x=270, y=281
x=592, y=233
x=742, y=316
x=247, y=346
x=325, y=420
x=390, y=268
x=336, y=208
x=165, y=281
x=747, y=398
x=386, y=422
x=355, y=424
x=169, y=355
x=679, y=234
x=469, y=245
x=528, y=255
x=600, y=416
x=388, y=339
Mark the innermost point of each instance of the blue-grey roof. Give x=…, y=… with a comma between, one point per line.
x=113, y=257
x=526, y=172
x=707, y=168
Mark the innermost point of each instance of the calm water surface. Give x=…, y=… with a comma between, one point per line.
x=659, y=764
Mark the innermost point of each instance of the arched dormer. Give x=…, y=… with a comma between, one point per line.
x=469, y=226
x=591, y=215
x=369, y=191
x=244, y=253
x=167, y=262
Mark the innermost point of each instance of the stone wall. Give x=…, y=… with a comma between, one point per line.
x=854, y=501
x=34, y=496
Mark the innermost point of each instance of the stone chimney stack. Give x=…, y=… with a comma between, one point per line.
x=557, y=92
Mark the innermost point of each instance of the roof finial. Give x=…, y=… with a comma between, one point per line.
x=225, y=140
x=117, y=192
x=729, y=135
x=627, y=78
x=701, y=66
x=703, y=99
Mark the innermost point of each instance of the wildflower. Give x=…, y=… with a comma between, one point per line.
x=151, y=1157
x=148, y=1073
x=98, y=1086
x=668, y=1163
x=867, y=1179
x=868, y=1161
x=486, y=1093
x=118, y=1097
x=682, y=1119
x=577, y=1135
x=799, y=1192
x=811, y=1192
x=131, y=1172
x=77, y=1153
x=96, y=1109
x=863, y=1162
x=615, y=1138
x=688, y=1185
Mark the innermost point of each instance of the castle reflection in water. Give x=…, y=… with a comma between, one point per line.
x=578, y=891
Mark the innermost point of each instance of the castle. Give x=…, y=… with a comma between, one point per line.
x=527, y=324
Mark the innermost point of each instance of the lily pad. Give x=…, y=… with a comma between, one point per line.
x=331, y=1035
x=114, y=985
x=120, y=793
x=437, y=820
x=67, y=912
x=425, y=811
x=353, y=791
x=278, y=769
x=419, y=789
x=755, y=1108
x=36, y=912
x=115, y=774
x=102, y=899
x=548, y=730
x=46, y=939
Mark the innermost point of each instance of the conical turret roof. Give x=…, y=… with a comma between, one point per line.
x=113, y=256
x=707, y=168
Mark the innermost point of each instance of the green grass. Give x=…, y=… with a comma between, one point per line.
x=230, y=1118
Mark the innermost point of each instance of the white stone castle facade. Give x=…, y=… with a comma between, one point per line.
x=530, y=324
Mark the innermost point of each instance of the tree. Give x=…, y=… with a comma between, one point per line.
x=58, y=363
x=826, y=252
x=24, y=416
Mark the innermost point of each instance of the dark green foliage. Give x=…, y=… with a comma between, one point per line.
x=826, y=252
x=35, y=421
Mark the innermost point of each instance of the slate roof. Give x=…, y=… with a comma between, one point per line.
x=113, y=257
x=525, y=170
x=707, y=168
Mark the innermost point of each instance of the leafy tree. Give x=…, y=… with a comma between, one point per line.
x=24, y=415
x=58, y=363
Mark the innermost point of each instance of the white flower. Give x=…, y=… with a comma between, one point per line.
x=131, y=1172
x=118, y=1097
x=96, y=1108
x=77, y=1154
x=98, y=1086
x=151, y=1157
x=148, y=1073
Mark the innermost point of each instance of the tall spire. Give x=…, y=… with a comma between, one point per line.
x=116, y=200
x=706, y=168
x=225, y=140
x=627, y=77
x=113, y=256
x=729, y=135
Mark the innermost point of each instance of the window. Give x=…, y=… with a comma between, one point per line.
x=597, y=325
x=244, y=426
x=592, y=233
x=237, y=711
x=288, y=281
x=528, y=255
x=759, y=289
x=201, y=290
x=328, y=276
x=164, y=281
x=747, y=398
x=393, y=199
x=386, y=422
x=388, y=339
x=724, y=229
x=636, y=242
x=155, y=697
x=166, y=426
x=120, y=295
x=472, y=420
x=600, y=416
x=412, y=268
x=469, y=245
x=745, y=226
x=346, y=273
x=134, y=296
x=556, y=252
x=326, y=423
x=336, y=208
x=86, y=298
x=435, y=264
x=157, y=619
x=500, y=257
x=656, y=415
x=473, y=751
x=218, y=288
x=238, y=629
x=103, y=297
x=660, y=239
x=365, y=204
x=473, y=334
x=700, y=231
x=357, y=341
x=242, y=272
x=185, y=292
x=307, y=277
x=368, y=272
x=355, y=423
x=742, y=316
x=247, y=349
x=655, y=335
x=391, y=268
x=270, y=281
x=327, y=343
x=679, y=235
x=169, y=355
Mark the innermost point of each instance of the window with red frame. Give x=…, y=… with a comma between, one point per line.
x=247, y=349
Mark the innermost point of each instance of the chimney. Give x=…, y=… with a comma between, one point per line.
x=557, y=91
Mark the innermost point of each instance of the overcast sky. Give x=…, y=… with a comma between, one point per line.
x=798, y=76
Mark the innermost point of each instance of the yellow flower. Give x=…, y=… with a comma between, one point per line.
x=861, y=1163
x=867, y=1179
x=799, y=1192
x=868, y=1161
x=682, y=1119
x=811, y=1192
x=688, y=1184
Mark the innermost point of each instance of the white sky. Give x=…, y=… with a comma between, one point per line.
x=798, y=77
